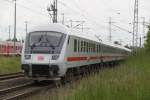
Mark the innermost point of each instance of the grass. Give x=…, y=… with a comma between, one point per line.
x=129, y=81
x=9, y=65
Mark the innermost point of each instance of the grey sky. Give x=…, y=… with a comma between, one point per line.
x=95, y=12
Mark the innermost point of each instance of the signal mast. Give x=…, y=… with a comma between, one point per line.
x=53, y=11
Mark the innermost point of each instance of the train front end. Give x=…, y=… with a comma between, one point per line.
x=42, y=57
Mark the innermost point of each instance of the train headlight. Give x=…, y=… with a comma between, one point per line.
x=27, y=57
x=55, y=57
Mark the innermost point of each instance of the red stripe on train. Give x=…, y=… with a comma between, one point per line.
x=70, y=59
x=73, y=59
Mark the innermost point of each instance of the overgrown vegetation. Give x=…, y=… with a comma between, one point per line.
x=9, y=65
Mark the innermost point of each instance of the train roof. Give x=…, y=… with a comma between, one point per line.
x=63, y=29
x=93, y=37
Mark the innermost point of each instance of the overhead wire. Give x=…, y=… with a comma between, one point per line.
x=123, y=29
x=29, y=9
x=82, y=13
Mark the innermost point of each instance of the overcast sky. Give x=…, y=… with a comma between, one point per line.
x=96, y=13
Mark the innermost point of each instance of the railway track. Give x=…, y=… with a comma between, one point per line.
x=28, y=89
x=19, y=92
x=11, y=76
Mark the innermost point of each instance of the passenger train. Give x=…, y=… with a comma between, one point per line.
x=51, y=51
x=7, y=48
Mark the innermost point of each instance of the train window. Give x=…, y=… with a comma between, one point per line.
x=105, y=49
x=97, y=48
x=81, y=46
x=78, y=46
x=91, y=47
x=94, y=49
x=87, y=46
x=75, y=45
x=68, y=39
x=84, y=46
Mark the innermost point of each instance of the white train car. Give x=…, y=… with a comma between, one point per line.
x=50, y=51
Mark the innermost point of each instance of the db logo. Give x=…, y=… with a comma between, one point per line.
x=40, y=58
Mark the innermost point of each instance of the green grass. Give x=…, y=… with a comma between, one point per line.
x=129, y=81
x=9, y=65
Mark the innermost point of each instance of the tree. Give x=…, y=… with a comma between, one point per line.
x=147, y=44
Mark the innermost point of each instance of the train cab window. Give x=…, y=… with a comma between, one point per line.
x=75, y=45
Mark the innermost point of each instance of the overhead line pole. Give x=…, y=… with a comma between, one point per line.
x=56, y=10
x=110, y=24
x=143, y=23
x=53, y=11
x=14, y=25
x=63, y=18
x=135, y=25
x=9, y=33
